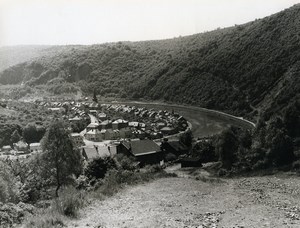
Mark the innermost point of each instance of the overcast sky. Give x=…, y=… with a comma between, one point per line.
x=99, y=21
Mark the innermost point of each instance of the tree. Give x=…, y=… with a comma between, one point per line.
x=15, y=137
x=29, y=133
x=32, y=133
x=98, y=167
x=226, y=146
x=186, y=138
x=95, y=96
x=60, y=160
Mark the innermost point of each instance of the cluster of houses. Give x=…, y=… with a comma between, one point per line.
x=19, y=150
x=131, y=133
x=154, y=125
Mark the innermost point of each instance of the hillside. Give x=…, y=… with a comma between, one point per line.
x=241, y=69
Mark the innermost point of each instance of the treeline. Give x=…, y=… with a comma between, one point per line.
x=272, y=144
x=235, y=69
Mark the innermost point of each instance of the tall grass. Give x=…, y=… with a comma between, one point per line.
x=66, y=205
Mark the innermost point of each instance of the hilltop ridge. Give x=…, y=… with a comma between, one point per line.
x=242, y=70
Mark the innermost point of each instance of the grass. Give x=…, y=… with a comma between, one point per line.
x=65, y=206
x=70, y=201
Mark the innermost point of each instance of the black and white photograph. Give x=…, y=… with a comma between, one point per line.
x=149, y=113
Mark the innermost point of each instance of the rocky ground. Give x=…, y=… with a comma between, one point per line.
x=195, y=199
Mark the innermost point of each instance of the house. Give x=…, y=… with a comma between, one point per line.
x=174, y=147
x=77, y=139
x=21, y=146
x=119, y=124
x=109, y=134
x=35, y=147
x=145, y=151
x=102, y=116
x=92, y=126
x=6, y=148
x=76, y=119
x=106, y=124
x=94, y=135
x=133, y=124
x=160, y=125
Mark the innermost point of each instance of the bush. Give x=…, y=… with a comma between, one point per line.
x=69, y=202
x=11, y=214
x=46, y=220
x=125, y=162
x=98, y=167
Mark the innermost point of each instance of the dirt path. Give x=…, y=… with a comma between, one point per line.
x=271, y=201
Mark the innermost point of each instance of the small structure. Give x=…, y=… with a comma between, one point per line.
x=102, y=116
x=92, y=126
x=119, y=124
x=75, y=119
x=21, y=146
x=6, y=149
x=106, y=124
x=145, y=151
x=35, y=147
x=190, y=162
x=94, y=135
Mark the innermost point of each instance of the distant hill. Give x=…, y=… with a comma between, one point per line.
x=243, y=69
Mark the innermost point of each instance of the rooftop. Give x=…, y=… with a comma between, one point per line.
x=142, y=147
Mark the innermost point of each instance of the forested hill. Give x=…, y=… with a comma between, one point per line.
x=237, y=69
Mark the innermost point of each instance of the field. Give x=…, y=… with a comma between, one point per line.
x=198, y=200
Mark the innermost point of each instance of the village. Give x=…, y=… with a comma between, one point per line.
x=100, y=130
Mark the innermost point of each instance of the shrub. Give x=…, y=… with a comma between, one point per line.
x=98, y=167
x=47, y=219
x=69, y=202
x=125, y=162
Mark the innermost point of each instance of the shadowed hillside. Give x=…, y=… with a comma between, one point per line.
x=240, y=70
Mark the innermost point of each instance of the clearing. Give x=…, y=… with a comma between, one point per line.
x=198, y=200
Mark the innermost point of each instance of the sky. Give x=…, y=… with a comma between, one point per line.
x=60, y=22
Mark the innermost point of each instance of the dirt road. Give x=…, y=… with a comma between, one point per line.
x=270, y=201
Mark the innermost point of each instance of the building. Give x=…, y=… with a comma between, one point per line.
x=35, y=147
x=94, y=135
x=145, y=151
x=106, y=124
x=102, y=116
x=21, y=146
x=77, y=139
x=92, y=126
x=75, y=119
x=119, y=124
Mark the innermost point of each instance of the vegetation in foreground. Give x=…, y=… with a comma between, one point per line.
x=54, y=185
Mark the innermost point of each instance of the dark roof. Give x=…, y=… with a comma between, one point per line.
x=142, y=147
x=177, y=145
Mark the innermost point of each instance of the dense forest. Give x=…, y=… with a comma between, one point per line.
x=244, y=70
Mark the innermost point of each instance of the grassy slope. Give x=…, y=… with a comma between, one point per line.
x=236, y=69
